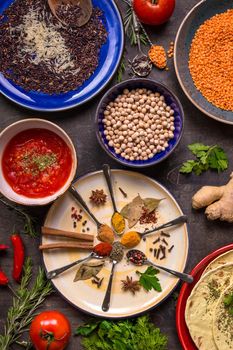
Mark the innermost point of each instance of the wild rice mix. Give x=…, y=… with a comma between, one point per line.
x=39, y=54
x=211, y=60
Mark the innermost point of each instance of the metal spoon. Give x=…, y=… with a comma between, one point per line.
x=141, y=64
x=116, y=256
x=180, y=220
x=144, y=261
x=81, y=201
x=107, y=175
x=54, y=273
x=85, y=6
x=106, y=302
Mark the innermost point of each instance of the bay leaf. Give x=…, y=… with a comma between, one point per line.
x=133, y=211
x=151, y=203
x=88, y=270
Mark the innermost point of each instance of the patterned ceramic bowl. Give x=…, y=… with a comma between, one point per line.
x=170, y=99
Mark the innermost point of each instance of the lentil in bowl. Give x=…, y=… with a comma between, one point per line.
x=139, y=122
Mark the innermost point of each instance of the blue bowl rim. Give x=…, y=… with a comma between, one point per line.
x=111, y=76
x=194, y=8
x=120, y=85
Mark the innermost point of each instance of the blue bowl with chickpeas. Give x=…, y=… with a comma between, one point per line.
x=139, y=122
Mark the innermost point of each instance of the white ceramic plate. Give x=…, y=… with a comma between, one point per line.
x=83, y=294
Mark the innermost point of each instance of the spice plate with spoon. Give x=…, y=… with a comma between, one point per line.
x=84, y=294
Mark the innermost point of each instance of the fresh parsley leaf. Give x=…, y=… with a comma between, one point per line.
x=149, y=280
x=188, y=166
x=198, y=148
x=207, y=157
x=218, y=159
x=86, y=329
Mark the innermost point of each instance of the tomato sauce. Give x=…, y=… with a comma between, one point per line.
x=36, y=163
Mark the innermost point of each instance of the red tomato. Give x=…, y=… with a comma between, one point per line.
x=154, y=12
x=50, y=330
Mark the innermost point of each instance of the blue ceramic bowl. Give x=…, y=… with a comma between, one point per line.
x=110, y=57
x=199, y=13
x=170, y=99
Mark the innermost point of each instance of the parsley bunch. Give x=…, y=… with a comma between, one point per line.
x=207, y=157
x=139, y=334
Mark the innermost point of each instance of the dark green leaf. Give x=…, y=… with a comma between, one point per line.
x=228, y=300
x=196, y=148
x=149, y=280
x=86, y=329
x=188, y=166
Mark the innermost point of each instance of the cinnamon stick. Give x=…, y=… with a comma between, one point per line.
x=70, y=234
x=80, y=245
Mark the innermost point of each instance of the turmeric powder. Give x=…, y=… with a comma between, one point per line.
x=118, y=223
x=130, y=239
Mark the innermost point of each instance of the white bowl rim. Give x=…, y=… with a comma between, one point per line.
x=48, y=199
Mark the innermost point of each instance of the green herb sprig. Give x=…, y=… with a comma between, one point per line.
x=24, y=306
x=121, y=70
x=137, y=334
x=148, y=279
x=29, y=227
x=207, y=157
x=228, y=302
x=129, y=27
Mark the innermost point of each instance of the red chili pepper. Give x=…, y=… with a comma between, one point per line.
x=3, y=247
x=3, y=279
x=18, y=256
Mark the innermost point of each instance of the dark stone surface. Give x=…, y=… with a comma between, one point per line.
x=79, y=123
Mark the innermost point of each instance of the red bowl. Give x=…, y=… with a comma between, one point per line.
x=182, y=330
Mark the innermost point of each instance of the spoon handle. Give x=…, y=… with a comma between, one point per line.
x=54, y=273
x=81, y=201
x=107, y=175
x=106, y=302
x=137, y=30
x=180, y=220
x=183, y=276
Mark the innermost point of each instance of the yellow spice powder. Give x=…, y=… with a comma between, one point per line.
x=130, y=239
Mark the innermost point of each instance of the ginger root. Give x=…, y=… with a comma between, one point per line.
x=218, y=200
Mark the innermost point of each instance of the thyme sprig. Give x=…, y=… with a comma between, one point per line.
x=29, y=227
x=24, y=307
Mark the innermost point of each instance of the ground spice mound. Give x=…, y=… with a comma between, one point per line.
x=38, y=53
x=211, y=60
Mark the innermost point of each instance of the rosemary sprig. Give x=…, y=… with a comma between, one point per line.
x=29, y=227
x=121, y=70
x=129, y=27
x=23, y=310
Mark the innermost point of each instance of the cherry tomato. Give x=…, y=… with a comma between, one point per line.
x=154, y=12
x=50, y=330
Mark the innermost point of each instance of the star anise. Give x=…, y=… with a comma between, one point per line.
x=98, y=197
x=130, y=285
